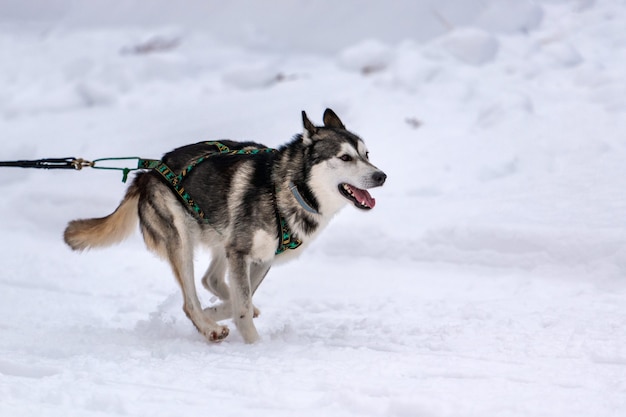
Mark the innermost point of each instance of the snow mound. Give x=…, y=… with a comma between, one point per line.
x=562, y=54
x=248, y=77
x=366, y=57
x=471, y=45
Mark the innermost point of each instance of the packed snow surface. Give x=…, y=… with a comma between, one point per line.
x=490, y=279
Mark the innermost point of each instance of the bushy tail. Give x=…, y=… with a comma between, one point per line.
x=105, y=231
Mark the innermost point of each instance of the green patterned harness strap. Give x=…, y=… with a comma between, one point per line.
x=287, y=240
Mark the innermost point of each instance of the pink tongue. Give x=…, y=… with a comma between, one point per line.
x=363, y=196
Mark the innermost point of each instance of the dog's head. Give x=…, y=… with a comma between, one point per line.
x=341, y=171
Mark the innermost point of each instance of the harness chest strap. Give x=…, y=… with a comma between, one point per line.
x=287, y=239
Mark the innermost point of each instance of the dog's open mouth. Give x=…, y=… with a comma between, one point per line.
x=361, y=198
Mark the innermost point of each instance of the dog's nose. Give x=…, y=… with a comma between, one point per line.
x=379, y=177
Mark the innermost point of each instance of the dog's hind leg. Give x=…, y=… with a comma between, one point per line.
x=214, y=278
x=165, y=232
x=182, y=265
x=224, y=310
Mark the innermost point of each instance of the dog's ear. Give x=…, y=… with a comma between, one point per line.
x=332, y=120
x=309, y=129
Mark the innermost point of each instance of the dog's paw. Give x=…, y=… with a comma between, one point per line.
x=218, y=335
x=249, y=335
x=218, y=312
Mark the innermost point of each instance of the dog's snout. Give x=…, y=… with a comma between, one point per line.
x=379, y=177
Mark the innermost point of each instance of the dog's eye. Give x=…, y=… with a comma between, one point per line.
x=367, y=155
x=345, y=158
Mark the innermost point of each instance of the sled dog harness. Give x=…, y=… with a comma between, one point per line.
x=287, y=239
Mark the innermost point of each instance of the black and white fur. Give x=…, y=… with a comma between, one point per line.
x=325, y=168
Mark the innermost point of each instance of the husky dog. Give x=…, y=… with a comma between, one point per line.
x=251, y=205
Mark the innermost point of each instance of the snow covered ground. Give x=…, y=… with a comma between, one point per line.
x=489, y=280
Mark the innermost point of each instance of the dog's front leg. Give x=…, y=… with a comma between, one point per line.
x=258, y=271
x=241, y=296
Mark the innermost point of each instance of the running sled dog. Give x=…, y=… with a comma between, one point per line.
x=251, y=205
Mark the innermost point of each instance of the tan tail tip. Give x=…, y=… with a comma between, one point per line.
x=74, y=235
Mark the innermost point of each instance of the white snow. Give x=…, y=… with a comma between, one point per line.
x=366, y=57
x=471, y=46
x=488, y=281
